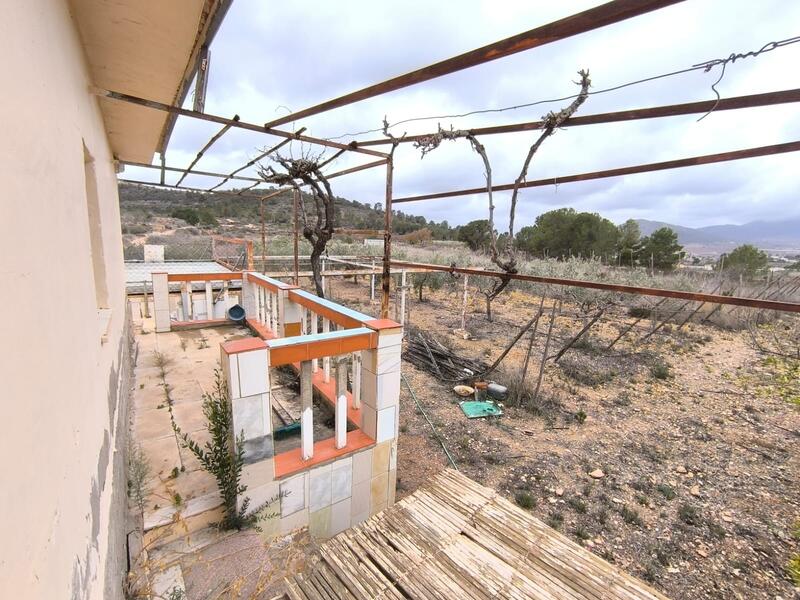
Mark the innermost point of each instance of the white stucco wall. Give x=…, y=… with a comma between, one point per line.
x=58, y=411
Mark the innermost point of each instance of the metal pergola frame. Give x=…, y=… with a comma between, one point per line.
x=600, y=16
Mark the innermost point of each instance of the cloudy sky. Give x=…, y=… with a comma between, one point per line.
x=270, y=58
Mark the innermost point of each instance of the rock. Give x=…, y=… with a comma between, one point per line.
x=702, y=551
x=617, y=501
x=673, y=570
x=464, y=390
x=597, y=474
x=552, y=500
x=681, y=469
x=695, y=490
x=559, y=491
x=727, y=517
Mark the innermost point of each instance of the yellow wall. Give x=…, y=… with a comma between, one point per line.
x=59, y=414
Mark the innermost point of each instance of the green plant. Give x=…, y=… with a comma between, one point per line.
x=666, y=491
x=688, y=514
x=578, y=505
x=177, y=500
x=222, y=456
x=660, y=370
x=580, y=417
x=555, y=520
x=581, y=533
x=175, y=472
x=630, y=516
x=793, y=569
x=138, y=472
x=525, y=500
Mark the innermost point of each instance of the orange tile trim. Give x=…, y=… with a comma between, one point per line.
x=264, y=332
x=245, y=345
x=325, y=312
x=204, y=276
x=284, y=355
x=267, y=282
x=288, y=463
x=381, y=324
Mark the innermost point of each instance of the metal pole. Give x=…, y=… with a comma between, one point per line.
x=295, y=203
x=387, y=240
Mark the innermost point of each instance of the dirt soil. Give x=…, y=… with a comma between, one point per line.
x=674, y=457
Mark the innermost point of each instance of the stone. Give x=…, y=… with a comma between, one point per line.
x=559, y=491
x=597, y=474
x=695, y=490
x=681, y=469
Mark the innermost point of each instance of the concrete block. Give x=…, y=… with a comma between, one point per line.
x=293, y=495
x=387, y=424
x=294, y=521
x=341, y=480
x=319, y=523
x=359, y=518
x=258, y=449
x=380, y=391
x=392, y=489
x=380, y=458
x=387, y=340
x=258, y=473
x=253, y=372
x=360, y=500
x=248, y=417
x=319, y=488
x=263, y=496
x=369, y=420
x=162, y=320
x=393, y=455
x=385, y=360
x=378, y=492
x=340, y=516
x=362, y=467
x=230, y=368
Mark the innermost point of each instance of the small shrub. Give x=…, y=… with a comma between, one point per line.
x=666, y=491
x=580, y=417
x=642, y=499
x=660, y=370
x=717, y=530
x=793, y=569
x=630, y=516
x=578, y=505
x=581, y=533
x=639, y=312
x=601, y=516
x=555, y=520
x=175, y=472
x=525, y=500
x=688, y=514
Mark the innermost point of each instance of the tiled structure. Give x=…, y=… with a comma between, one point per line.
x=329, y=484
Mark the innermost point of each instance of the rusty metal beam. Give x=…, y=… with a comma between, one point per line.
x=264, y=154
x=190, y=189
x=612, y=287
x=180, y=170
x=184, y=112
x=588, y=20
x=363, y=167
x=208, y=145
x=672, y=110
x=659, y=166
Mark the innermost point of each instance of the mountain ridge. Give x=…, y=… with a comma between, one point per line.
x=761, y=233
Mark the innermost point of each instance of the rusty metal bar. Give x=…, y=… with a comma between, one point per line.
x=184, y=112
x=377, y=163
x=331, y=159
x=179, y=170
x=659, y=166
x=387, y=241
x=672, y=110
x=264, y=154
x=588, y=20
x=613, y=287
x=208, y=145
x=191, y=189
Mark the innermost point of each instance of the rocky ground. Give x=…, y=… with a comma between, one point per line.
x=675, y=457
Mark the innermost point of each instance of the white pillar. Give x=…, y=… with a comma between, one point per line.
x=322, y=271
x=341, y=421
x=307, y=414
x=161, y=301
x=356, y=379
x=464, y=304
x=209, y=301
x=313, y=330
x=186, y=300
x=403, y=298
x=326, y=361
x=274, y=308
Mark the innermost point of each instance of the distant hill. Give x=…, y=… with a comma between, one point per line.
x=766, y=234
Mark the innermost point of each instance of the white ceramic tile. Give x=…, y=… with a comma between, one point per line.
x=393, y=455
x=385, y=360
x=388, y=340
x=369, y=420
x=293, y=495
x=360, y=501
x=340, y=516
x=261, y=494
x=253, y=372
x=319, y=495
x=230, y=368
x=362, y=467
x=380, y=391
x=341, y=482
x=386, y=424
x=248, y=416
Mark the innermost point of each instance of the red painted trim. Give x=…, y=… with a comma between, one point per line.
x=264, y=332
x=379, y=324
x=244, y=345
x=301, y=351
x=288, y=463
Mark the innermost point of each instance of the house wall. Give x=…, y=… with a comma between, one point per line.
x=63, y=364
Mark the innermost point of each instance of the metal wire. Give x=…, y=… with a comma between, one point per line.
x=424, y=414
x=703, y=66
